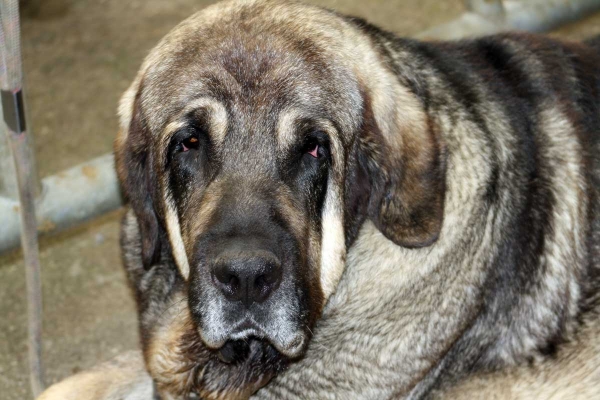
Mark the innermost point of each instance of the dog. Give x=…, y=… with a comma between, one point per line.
x=322, y=209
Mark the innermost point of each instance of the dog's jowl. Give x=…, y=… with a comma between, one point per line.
x=323, y=210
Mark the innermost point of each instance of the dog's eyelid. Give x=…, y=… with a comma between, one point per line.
x=316, y=137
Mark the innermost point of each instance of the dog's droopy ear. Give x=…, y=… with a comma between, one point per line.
x=406, y=166
x=133, y=157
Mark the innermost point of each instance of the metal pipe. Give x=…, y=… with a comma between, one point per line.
x=489, y=8
x=545, y=15
x=13, y=111
x=493, y=16
x=68, y=198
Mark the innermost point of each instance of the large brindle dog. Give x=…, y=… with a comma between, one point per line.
x=334, y=212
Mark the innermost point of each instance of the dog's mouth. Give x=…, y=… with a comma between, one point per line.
x=235, y=351
x=235, y=370
x=247, y=337
x=248, y=340
x=241, y=350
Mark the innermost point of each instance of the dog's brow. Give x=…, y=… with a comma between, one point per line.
x=287, y=127
x=217, y=118
x=173, y=127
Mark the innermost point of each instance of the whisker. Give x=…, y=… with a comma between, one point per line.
x=319, y=344
x=171, y=306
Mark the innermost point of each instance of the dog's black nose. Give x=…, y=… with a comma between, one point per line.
x=247, y=278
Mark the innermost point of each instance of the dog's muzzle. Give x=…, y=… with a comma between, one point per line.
x=244, y=290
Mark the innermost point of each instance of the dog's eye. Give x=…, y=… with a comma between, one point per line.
x=313, y=149
x=190, y=143
x=187, y=145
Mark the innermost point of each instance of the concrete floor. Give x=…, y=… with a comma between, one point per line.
x=79, y=56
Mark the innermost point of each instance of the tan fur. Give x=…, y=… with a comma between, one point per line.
x=207, y=206
x=124, y=378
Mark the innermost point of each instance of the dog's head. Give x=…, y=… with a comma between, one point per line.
x=257, y=137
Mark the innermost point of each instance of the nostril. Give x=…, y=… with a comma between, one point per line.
x=267, y=281
x=232, y=282
x=226, y=280
x=260, y=281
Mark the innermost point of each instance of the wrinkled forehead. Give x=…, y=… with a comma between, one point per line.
x=254, y=70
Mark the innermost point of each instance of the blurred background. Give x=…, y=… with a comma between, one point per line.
x=79, y=56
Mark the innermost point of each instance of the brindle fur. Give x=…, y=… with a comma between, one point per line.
x=456, y=251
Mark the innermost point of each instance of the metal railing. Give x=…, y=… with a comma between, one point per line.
x=485, y=17
x=17, y=142
x=29, y=207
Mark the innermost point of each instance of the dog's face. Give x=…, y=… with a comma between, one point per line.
x=258, y=137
